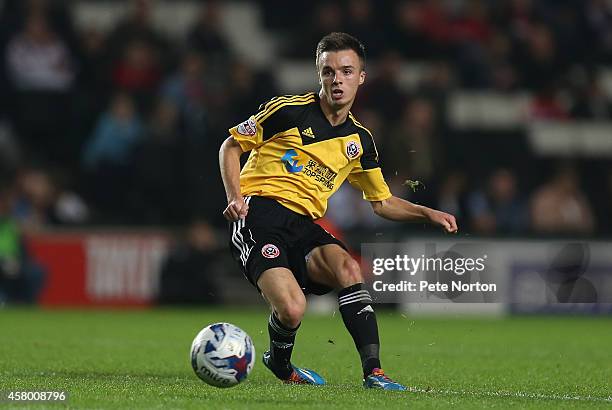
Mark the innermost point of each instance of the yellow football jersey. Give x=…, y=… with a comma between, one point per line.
x=299, y=159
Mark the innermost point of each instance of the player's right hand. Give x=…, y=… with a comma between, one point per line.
x=236, y=209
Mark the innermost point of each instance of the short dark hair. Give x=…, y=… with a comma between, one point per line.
x=338, y=41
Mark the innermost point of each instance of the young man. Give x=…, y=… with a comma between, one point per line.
x=303, y=147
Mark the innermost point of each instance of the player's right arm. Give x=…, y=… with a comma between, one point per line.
x=243, y=137
x=229, y=162
x=274, y=117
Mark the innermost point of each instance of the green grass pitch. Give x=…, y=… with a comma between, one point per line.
x=139, y=359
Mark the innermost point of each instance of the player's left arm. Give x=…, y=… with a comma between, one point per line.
x=367, y=176
x=397, y=209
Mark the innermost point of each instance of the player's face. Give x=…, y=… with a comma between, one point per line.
x=340, y=75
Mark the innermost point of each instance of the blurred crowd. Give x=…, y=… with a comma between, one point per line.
x=123, y=127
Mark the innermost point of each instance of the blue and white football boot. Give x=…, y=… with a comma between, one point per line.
x=298, y=376
x=378, y=380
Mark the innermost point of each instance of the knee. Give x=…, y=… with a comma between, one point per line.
x=350, y=273
x=291, y=311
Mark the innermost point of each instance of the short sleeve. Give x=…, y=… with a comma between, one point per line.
x=275, y=116
x=367, y=175
x=249, y=134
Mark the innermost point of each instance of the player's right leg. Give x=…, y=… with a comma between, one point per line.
x=288, y=303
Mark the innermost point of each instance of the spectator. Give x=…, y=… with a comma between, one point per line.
x=41, y=71
x=487, y=63
x=548, y=105
x=160, y=190
x=138, y=27
x=414, y=143
x=499, y=209
x=38, y=60
x=34, y=202
x=115, y=135
x=41, y=202
x=362, y=23
x=590, y=101
x=515, y=18
x=503, y=76
x=569, y=31
x=93, y=90
x=436, y=25
x=138, y=72
x=206, y=35
x=471, y=32
x=328, y=16
x=382, y=91
x=187, y=273
x=451, y=195
x=21, y=279
x=95, y=63
x=603, y=203
x=560, y=207
x=435, y=86
x=10, y=154
x=472, y=25
x=408, y=35
x=107, y=155
x=540, y=61
x=598, y=20
x=188, y=91
x=247, y=89
x=346, y=198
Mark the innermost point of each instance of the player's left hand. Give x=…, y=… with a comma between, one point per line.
x=446, y=221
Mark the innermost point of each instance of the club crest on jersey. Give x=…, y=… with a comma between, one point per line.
x=248, y=128
x=270, y=251
x=352, y=149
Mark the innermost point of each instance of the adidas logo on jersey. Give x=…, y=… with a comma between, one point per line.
x=308, y=133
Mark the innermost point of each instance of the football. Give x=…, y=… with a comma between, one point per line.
x=222, y=355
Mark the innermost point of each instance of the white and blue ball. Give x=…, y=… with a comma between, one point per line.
x=222, y=355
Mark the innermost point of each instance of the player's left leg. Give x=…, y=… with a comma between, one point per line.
x=332, y=266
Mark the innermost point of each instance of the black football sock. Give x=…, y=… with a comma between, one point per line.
x=360, y=320
x=281, y=346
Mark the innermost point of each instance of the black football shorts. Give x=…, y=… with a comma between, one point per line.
x=273, y=236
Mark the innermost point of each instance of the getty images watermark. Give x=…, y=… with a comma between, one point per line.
x=527, y=272
x=430, y=272
x=411, y=266
x=433, y=272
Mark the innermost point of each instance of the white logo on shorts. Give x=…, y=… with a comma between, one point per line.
x=270, y=251
x=366, y=309
x=248, y=128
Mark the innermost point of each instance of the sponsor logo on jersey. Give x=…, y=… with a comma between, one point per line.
x=352, y=149
x=312, y=169
x=270, y=251
x=248, y=128
x=320, y=173
x=290, y=162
